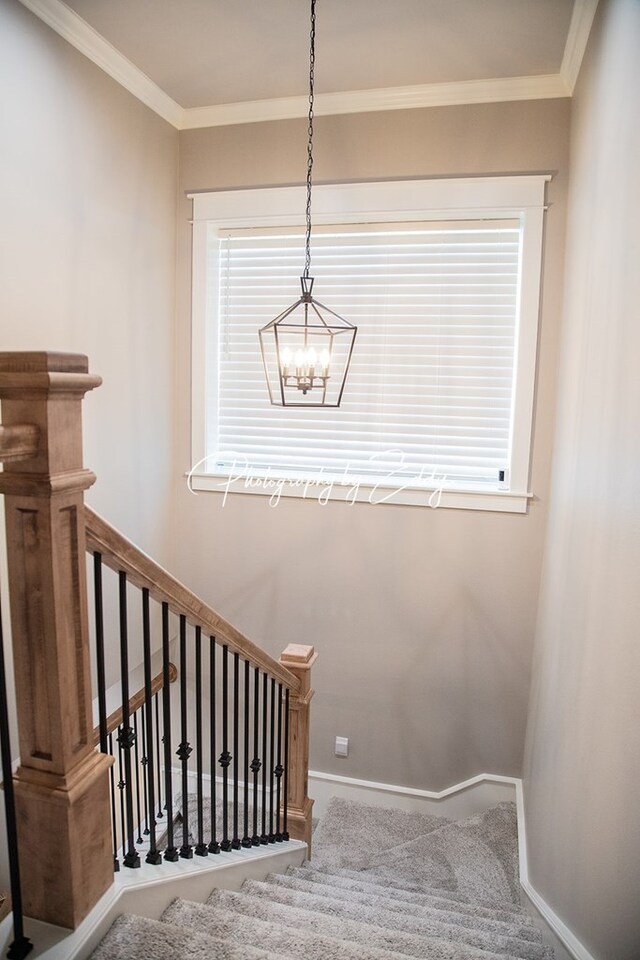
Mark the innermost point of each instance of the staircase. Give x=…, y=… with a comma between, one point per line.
x=422, y=886
x=380, y=884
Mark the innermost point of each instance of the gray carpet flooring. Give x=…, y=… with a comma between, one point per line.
x=382, y=884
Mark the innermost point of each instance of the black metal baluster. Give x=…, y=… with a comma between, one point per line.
x=153, y=855
x=214, y=846
x=225, y=756
x=170, y=854
x=235, y=843
x=114, y=821
x=263, y=837
x=279, y=768
x=272, y=724
x=246, y=839
x=184, y=750
x=158, y=739
x=136, y=758
x=201, y=847
x=20, y=945
x=285, y=801
x=255, y=763
x=144, y=762
x=156, y=699
x=126, y=736
x=106, y=739
x=102, y=683
x=121, y=787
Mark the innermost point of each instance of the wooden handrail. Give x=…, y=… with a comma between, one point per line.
x=118, y=553
x=135, y=702
x=18, y=442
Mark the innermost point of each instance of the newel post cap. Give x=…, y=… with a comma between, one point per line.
x=298, y=656
x=40, y=374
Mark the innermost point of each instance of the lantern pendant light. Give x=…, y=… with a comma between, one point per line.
x=306, y=350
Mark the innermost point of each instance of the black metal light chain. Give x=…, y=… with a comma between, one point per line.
x=312, y=64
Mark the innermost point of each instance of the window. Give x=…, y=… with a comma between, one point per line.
x=442, y=280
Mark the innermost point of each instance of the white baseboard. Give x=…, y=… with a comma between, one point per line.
x=558, y=928
x=461, y=800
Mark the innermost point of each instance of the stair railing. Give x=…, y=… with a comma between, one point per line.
x=253, y=716
x=253, y=727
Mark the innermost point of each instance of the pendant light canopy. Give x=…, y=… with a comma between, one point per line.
x=306, y=350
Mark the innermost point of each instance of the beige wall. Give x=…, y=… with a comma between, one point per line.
x=87, y=220
x=582, y=765
x=424, y=619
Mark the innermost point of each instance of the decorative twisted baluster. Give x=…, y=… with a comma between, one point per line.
x=153, y=856
x=126, y=735
x=246, y=839
x=263, y=836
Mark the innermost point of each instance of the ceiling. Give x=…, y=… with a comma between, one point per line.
x=204, y=52
x=204, y=62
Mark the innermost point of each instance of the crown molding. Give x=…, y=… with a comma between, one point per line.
x=89, y=42
x=582, y=18
x=386, y=98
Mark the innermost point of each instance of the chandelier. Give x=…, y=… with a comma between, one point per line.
x=306, y=349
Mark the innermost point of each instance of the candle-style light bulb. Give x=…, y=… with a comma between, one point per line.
x=312, y=359
x=299, y=362
x=325, y=359
x=285, y=361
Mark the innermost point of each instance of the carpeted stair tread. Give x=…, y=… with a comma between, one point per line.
x=356, y=931
x=345, y=908
x=133, y=938
x=280, y=939
x=476, y=921
x=480, y=853
x=442, y=899
x=372, y=880
x=382, y=884
x=349, y=830
x=415, y=889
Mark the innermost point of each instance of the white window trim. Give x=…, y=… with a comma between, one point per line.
x=517, y=197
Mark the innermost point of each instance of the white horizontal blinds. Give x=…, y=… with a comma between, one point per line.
x=431, y=380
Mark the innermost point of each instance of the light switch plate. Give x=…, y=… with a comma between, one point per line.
x=342, y=746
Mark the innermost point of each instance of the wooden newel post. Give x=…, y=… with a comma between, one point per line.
x=299, y=660
x=61, y=786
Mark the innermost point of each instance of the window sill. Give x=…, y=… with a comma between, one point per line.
x=324, y=491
